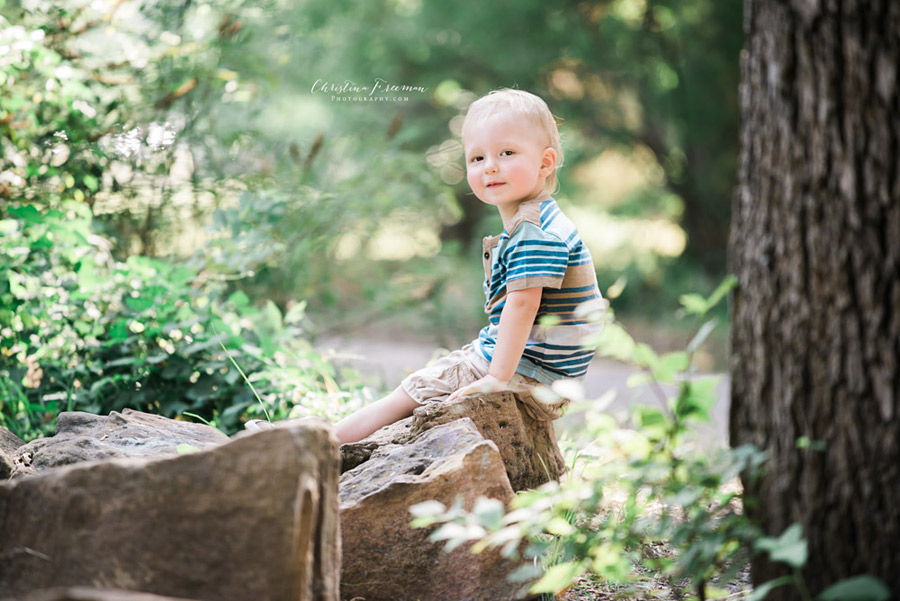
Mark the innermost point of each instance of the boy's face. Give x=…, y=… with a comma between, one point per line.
x=507, y=162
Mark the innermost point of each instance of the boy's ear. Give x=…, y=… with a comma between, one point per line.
x=548, y=162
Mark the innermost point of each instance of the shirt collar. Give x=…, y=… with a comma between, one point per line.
x=524, y=210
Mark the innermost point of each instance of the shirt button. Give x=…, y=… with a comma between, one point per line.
x=487, y=255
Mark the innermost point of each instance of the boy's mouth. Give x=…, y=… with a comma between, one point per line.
x=494, y=184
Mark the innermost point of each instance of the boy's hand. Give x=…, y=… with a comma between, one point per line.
x=488, y=383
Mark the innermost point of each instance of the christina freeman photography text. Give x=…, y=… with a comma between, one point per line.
x=379, y=90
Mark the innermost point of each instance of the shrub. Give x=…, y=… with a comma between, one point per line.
x=80, y=331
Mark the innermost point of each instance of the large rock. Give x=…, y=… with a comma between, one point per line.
x=9, y=442
x=387, y=560
x=255, y=518
x=527, y=445
x=85, y=437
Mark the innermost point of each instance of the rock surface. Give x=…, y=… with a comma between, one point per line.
x=384, y=558
x=9, y=442
x=85, y=437
x=255, y=518
x=528, y=446
x=84, y=593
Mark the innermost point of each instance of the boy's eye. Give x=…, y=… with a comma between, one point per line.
x=475, y=159
x=506, y=153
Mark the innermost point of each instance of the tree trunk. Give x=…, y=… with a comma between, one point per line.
x=815, y=244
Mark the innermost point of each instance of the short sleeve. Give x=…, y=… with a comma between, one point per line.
x=534, y=258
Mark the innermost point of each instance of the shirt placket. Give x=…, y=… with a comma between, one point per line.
x=487, y=246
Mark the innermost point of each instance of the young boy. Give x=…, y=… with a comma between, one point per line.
x=537, y=267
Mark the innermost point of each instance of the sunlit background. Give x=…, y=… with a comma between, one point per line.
x=305, y=158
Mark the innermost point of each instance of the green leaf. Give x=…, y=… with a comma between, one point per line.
x=457, y=534
x=645, y=356
x=613, y=341
x=804, y=442
x=427, y=508
x=548, y=321
x=858, y=588
x=671, y=364
x=558, y=577
x=559, y=526
x=760, y=592
x=27, y=213
x=239, y=299
x=789, y=548
x=296, y=314
x=693, y=304
x=139, y=304
x=489, y=512
x=696, y=398
x=90, y=182
x=649, y=417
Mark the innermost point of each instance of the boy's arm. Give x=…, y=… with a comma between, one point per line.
x=516, y=321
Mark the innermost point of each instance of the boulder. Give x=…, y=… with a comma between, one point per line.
x=85, y=593
x=527, y=445
x=84, y=437
x=254, y=518
x=9, y=442
x=384, y=558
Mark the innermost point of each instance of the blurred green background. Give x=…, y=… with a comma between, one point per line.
x=194, y=192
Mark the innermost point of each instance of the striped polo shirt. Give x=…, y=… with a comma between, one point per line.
x=540, y=247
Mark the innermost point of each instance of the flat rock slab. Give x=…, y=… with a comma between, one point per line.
x=87, y=437
x=384, y=558
x=255, y=518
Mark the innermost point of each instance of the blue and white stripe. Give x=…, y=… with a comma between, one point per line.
x=546, y=253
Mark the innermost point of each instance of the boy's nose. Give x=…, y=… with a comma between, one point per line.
x=490, y=166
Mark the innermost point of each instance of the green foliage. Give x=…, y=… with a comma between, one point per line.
x=858, y=588
x=212, y=98
x=636, y=485
x=790, y=549
x=81, y=331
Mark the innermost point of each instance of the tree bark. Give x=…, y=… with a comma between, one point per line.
x=815, y=244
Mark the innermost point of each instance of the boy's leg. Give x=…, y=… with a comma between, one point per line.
x=370, y=418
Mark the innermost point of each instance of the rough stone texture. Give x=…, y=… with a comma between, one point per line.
x=528, y=446
x=387, y=560
x=9, y=442
x=85, y=593
x=85, y=437
x=357, y=453
x=252, y=519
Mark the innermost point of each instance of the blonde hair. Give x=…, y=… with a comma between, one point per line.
x=523, y=104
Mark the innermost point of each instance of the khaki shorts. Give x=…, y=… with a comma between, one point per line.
x=435, y=382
